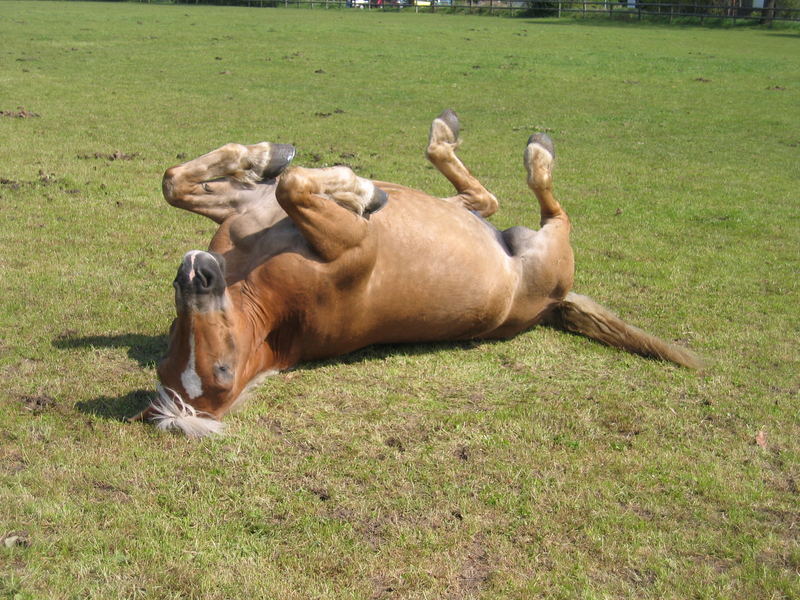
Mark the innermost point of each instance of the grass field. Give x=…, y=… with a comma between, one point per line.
x=543, y=467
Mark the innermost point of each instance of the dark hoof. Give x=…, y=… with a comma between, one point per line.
x=543, y=140
x=280, y=157
x=450, y=119
x=377, y=202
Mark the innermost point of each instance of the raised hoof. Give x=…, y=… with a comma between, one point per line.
x=543, y=140
x=377, y=202
x=280, y=157
x=450, y=118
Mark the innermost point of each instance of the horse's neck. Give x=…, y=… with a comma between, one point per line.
x=267, y=326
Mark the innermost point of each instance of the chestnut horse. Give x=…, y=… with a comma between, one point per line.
x=315, y=263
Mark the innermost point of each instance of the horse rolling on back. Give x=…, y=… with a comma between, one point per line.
x=314, y=263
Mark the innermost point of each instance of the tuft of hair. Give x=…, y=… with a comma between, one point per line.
x=247, y=178
x=169, y=412
x=581, y=314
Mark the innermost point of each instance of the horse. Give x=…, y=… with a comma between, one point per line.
x=314, y=263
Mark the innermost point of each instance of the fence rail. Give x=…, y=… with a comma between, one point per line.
x=629, y=9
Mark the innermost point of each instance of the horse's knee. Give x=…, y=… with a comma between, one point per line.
x=293, y=186
x=485, y=202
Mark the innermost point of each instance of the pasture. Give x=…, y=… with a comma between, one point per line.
x=547, y=466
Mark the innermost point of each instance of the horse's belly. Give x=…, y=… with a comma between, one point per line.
x=420, y=308
x=444, y=280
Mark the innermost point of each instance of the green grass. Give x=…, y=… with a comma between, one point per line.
x=546, y=466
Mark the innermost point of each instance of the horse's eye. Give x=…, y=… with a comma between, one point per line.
x=223, y=373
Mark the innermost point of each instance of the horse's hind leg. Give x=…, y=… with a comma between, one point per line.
x=546, y=255
x=216, y=184
x=442, y=145
x=539, y=158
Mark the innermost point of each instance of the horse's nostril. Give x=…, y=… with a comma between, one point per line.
x=208, y=278
x=205, y=279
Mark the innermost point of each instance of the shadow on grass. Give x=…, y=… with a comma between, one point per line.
x=144, y=349
x=147, y=350
x=119, y=408
x=380, y=352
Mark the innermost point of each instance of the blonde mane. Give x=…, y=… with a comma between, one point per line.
x=170, y=412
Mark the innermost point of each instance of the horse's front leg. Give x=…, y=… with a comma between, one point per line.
x=329, y=206
x=221, y=183
x=443, y=142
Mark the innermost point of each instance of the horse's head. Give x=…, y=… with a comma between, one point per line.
x=199, y=378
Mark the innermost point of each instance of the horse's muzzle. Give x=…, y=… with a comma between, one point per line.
x=201, y=274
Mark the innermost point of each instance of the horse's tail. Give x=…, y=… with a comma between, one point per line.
x=580, y=314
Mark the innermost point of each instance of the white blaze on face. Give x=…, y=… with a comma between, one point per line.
x=189, y=378
x=192, y=255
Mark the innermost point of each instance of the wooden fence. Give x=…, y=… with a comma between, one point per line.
x=627, y=9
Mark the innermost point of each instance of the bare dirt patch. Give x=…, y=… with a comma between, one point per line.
x=396, y=443
x=15, y=540
x=462, y=452
x=20, y=113
x=12, y=462
x=475, y=572
x=106, y=491
x=116, y=155
x=44, y=179
x=9, y=183
x=37, y=404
